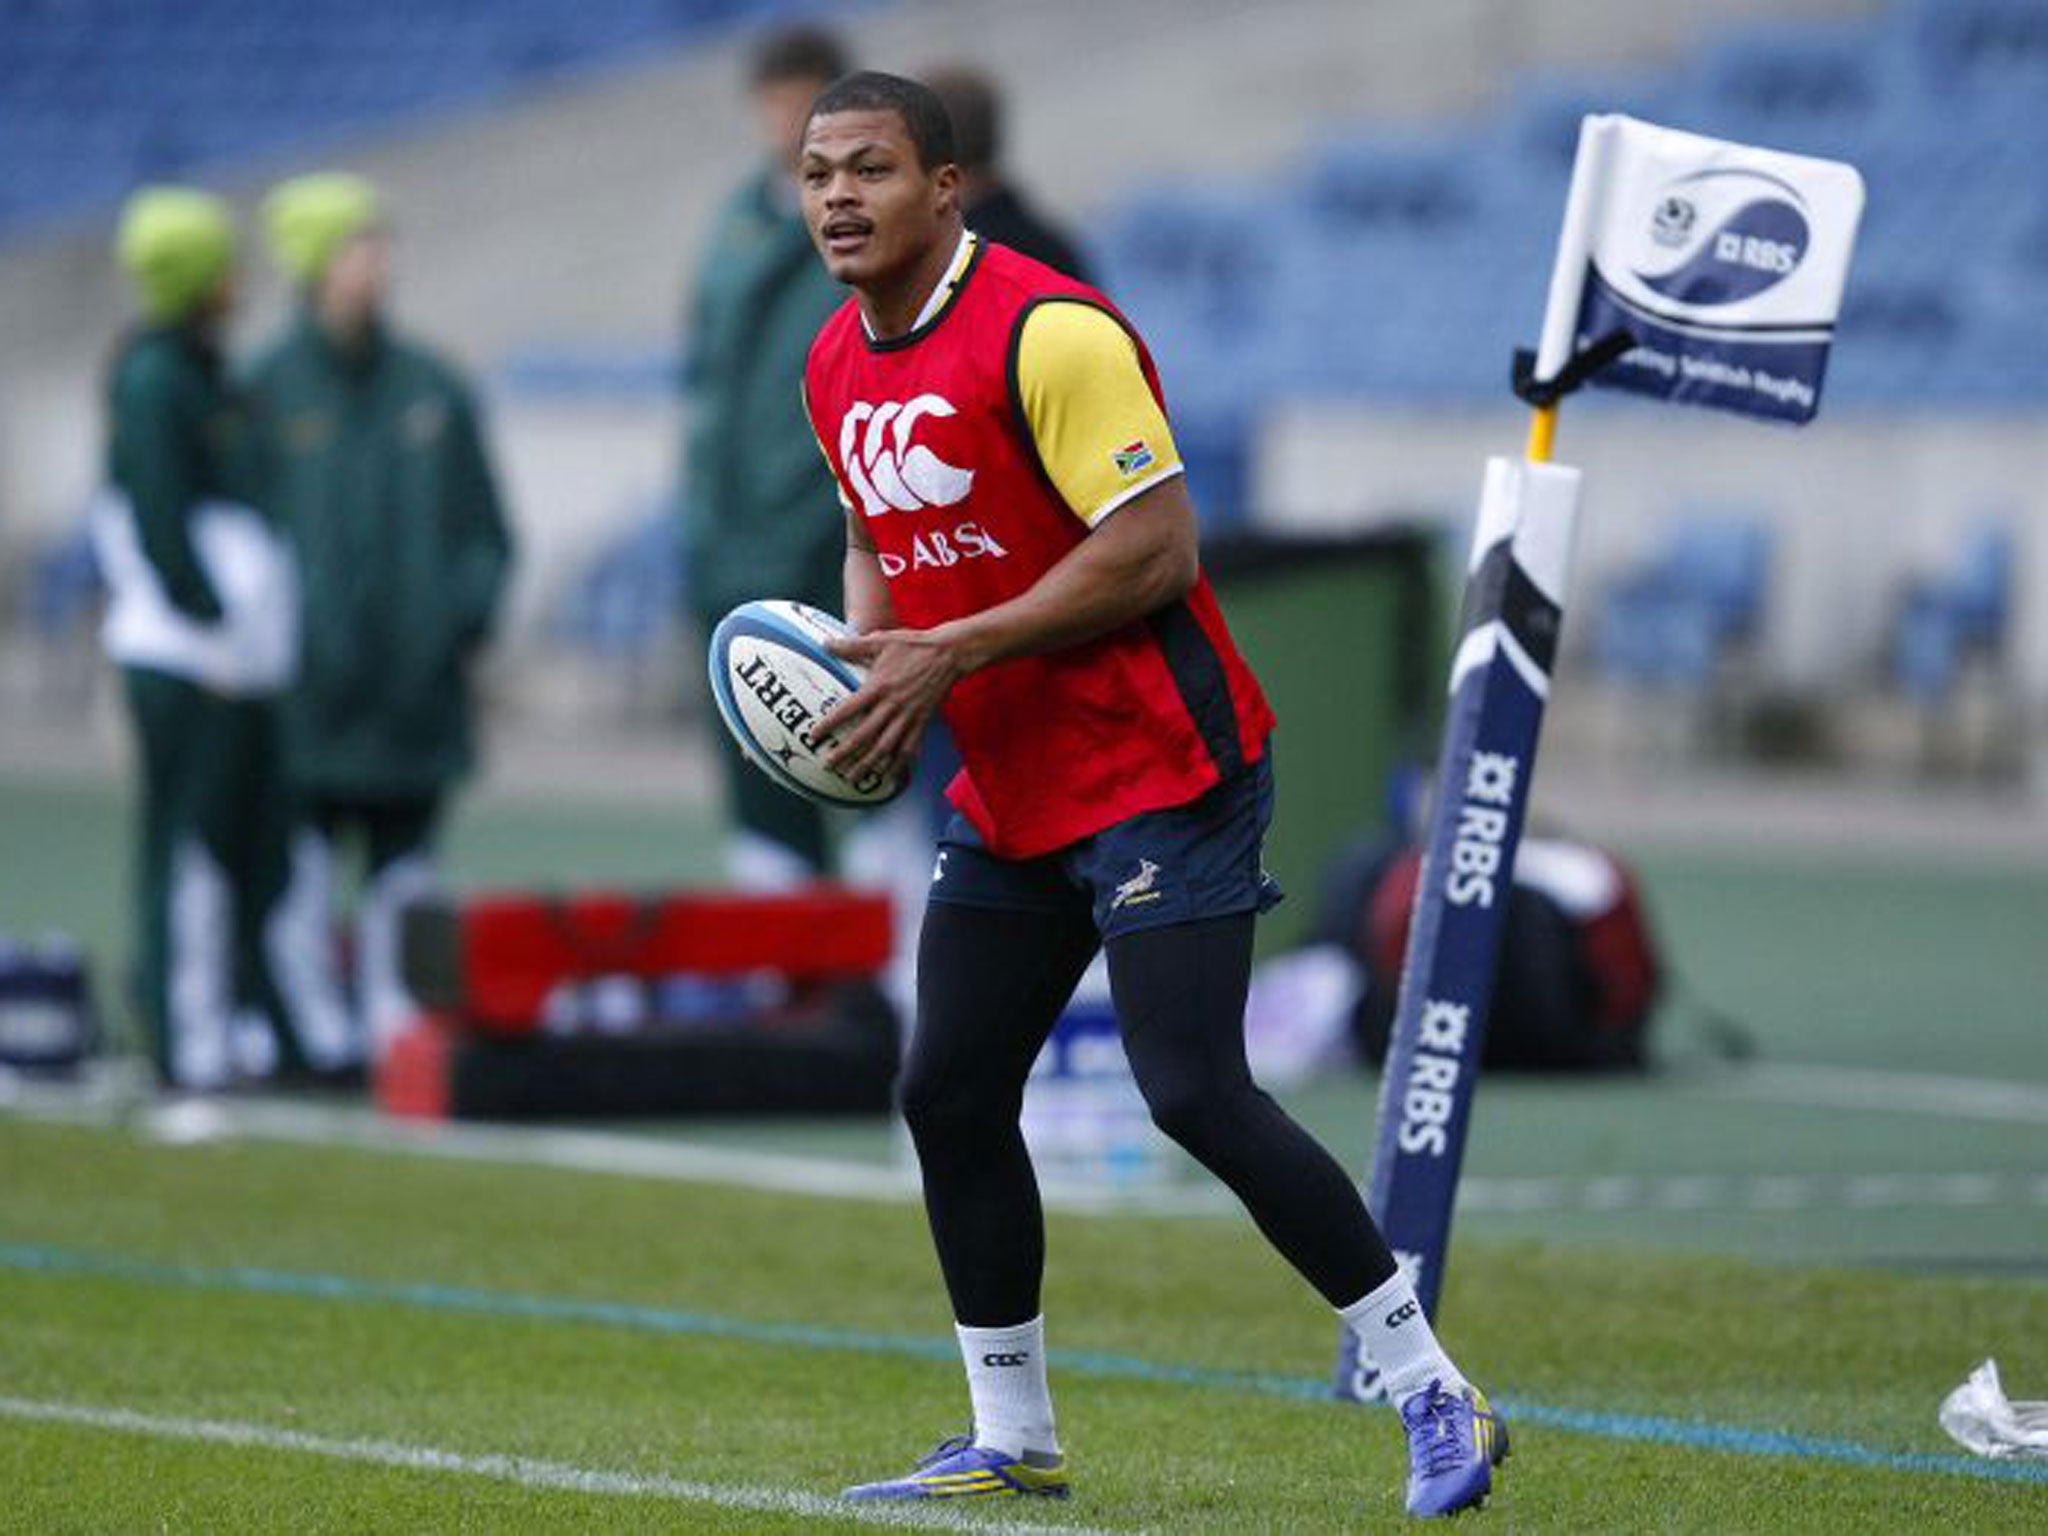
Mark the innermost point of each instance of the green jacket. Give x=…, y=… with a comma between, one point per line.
x=177, y=436
x=378, y=475
x=760, y=515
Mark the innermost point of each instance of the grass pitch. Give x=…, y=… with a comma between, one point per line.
x=242, y=1336
x=254, y=1337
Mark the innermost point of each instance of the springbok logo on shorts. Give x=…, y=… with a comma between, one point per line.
x=890, y=473
x=1139, y=889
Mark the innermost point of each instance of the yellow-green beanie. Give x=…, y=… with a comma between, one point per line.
x=176, y=244
x=309, y=218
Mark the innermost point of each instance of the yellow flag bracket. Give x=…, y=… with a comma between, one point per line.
x=1544, y=393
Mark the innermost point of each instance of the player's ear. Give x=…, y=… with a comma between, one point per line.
x=946, y=188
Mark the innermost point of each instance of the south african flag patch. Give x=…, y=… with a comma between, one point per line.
x=1134, y=458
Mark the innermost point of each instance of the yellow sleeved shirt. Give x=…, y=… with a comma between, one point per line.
x=1099, y=432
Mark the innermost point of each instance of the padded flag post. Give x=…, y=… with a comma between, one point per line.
x=1687, y=268
x=1500, y=680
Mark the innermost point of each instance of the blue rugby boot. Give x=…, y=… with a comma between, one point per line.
x=960, y=1469
x=1455, y=1440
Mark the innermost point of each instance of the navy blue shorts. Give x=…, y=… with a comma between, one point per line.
x=1178, y=865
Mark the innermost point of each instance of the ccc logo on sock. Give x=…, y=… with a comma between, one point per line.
x=1402, y=1313
x=1006, y=1359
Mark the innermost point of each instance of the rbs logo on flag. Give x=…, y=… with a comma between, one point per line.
x=1747, y=251
x=1723, y=262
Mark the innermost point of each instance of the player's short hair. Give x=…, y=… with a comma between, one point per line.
x=917, y=104
x=970, y=100
x=798, y=53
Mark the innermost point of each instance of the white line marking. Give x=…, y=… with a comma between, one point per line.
x=1968, y=1188
x=1781, y=1192
x=1612, y=1195
x=1691, y=1192
x=1877, y=1191
x=1868, y=1088
x=579, y=1151
x=652, y=1157
x=1539, y=1194
x=1612, y=1192
x=525, y=1471
x=649, y=1157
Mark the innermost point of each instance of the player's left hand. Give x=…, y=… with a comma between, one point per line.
x=880, y=727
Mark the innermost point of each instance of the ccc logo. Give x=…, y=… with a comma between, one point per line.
x=1005, y=1359
x=891, y=473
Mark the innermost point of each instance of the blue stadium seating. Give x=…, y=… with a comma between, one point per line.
x=1946, y=618
x=1671, y=621
x=98, y=95
x=63, y=584
x=1392, y=263
x=1411, y=264
x=630, y=593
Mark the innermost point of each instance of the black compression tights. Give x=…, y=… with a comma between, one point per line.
x=990, y=985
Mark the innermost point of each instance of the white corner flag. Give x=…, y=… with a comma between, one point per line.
x=1689, y=269
x=1724, y=261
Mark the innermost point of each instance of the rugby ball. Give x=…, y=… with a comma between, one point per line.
x=773, y=680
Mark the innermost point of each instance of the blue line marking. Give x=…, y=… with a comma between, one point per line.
x=1729, y=1439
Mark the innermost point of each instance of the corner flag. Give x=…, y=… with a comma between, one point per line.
x=1725, y=262
x=1687, y=268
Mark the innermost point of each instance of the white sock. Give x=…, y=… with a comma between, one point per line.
x=388, y=1008
x=1392, y=1329
x=1006, y=1381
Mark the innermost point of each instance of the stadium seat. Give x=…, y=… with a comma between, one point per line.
x=1204, y=276
x=1793, y=77
x=186, y=89
x=1378, y=212
x=1676, y=618
x=614, y=632
x=1945, y=619
x=1422, y=189
x=53, y=601
x=60, y=589
x=627, y=597
x=1247, y=291
x=1971, y=45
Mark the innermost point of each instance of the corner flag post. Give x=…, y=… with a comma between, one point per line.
x=1733, y=306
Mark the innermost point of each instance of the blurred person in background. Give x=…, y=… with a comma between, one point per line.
x=201, y=617
x=377, y=469
x=759, y=514
x=990, y=202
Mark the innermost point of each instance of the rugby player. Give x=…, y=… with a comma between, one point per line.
x=1022, y=558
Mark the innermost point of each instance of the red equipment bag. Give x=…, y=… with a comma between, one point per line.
x=603, y=1003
